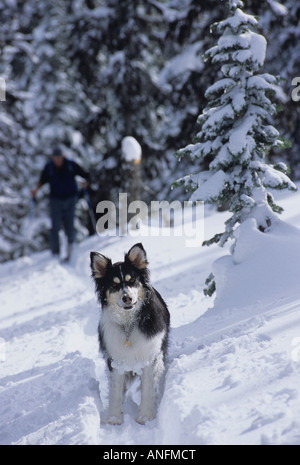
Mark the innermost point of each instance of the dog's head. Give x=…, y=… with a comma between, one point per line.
x=121, y=284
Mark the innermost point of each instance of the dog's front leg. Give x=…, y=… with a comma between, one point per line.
x=147, y=407
x=116, y=394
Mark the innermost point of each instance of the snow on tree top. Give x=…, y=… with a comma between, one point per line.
x=236, y=21
x=217, y=115
x=272, y=177
x=252, y=49
x=131, y=149
x=231, y=41
x=280, y=10
x=261, y=82
x=240, y=138
x=210, y=186
x=222, y=85
x=257, y=46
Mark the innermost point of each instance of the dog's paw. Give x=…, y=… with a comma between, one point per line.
x=115, y=420
x=142, y=419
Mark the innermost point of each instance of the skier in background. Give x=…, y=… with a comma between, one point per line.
x=60, y=173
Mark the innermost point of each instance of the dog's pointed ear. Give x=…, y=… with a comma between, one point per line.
x=99, y=265
x=137, y=256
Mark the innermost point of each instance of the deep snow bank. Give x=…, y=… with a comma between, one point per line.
x=263, y=269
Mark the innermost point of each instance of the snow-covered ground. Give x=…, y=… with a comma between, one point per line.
x=233, y=374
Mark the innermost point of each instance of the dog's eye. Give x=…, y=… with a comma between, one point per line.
x=130, y=280
x=116, y=285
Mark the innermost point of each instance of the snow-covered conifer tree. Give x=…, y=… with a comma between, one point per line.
x=236, y=136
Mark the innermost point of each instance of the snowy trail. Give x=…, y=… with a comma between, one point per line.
x=49, y=324
x=233, y=373
x=248, y=376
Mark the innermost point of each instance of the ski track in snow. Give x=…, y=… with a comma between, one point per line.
x=232, y=374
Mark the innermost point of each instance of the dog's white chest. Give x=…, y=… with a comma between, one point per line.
x=130, y=349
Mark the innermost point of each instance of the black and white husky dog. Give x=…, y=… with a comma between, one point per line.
x=133, y=329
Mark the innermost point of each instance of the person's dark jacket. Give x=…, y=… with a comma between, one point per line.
x=62, y=180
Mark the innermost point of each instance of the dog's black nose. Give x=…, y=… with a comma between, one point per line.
x=126, y=299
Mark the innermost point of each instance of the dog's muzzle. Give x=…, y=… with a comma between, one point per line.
x=127, y=302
